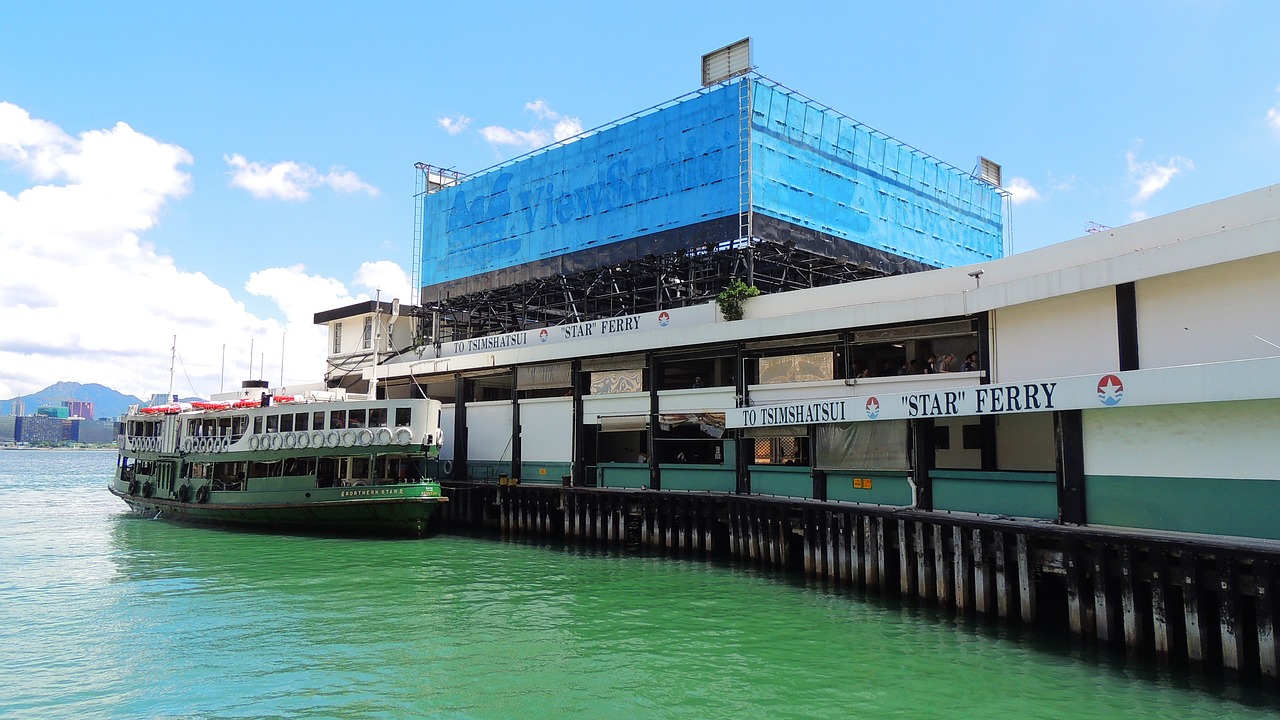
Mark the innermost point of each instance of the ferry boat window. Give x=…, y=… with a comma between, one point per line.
x=257, y=425
x=404, y=416
x=337, y=338
x=286, y=423
x=377, y=417
x=300, y=422
x=238, y=425
x=360, y=469
x=326, y=472
x=273, y=423
x=317, y=420
x=338, y=420
x=366, y=340
x=355, y=419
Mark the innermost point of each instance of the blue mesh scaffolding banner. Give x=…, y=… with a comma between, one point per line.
x=672, y=167
x=818, y=169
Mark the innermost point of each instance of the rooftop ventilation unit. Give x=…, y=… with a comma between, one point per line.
x=729, y=61
x=989, y=171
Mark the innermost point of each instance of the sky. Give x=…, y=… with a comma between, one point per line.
x=220, y=172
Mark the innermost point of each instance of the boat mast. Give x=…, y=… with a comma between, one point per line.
x=173, y=353
x=377, y=326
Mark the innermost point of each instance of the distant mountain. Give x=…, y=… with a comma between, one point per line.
x=107, y=403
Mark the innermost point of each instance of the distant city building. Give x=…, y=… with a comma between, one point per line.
x=19, y=407
x=6, y=428
x=53, y=412
x=93, y=431
x=79, y=408
x=41, y=428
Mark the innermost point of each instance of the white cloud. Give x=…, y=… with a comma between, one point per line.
x=561, y=127
x=1021, y=190
x=526, y=139
x=1273, y=115
x=1137, y=215
x=454, y=124
x=291, y=180
x=85, y=298
x=387, y=277
x=1152, y=177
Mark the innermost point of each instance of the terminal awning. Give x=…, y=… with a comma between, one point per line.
x=624, y=423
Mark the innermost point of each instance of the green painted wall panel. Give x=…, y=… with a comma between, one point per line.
x=786, y=481
x=707, y=478
x=544, y=473
x=1017, y=494
x=886, y=488
x=624, y=475
x=1218, y=506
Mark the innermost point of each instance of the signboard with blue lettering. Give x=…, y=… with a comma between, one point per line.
x=1210, y=382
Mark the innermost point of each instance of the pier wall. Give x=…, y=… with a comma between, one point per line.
x=1200, y=603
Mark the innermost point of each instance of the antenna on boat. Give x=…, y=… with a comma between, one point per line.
x=250, y=358
x=377, y=329
x=283, y=335
x=222, y=381
x=173, y=354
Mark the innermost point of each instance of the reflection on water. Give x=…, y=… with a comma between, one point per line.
x=108, y=615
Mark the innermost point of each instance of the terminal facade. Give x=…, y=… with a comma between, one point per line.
x=567, y=319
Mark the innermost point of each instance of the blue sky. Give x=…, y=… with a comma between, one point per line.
x=221, y=171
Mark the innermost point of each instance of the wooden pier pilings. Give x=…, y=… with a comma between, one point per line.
x=1206, y=603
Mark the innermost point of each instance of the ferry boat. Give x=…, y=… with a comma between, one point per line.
x=316, y=461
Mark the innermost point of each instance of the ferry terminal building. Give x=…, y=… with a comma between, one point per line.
x=567, y=319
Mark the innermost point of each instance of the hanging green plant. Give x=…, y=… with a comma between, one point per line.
x=731, y=299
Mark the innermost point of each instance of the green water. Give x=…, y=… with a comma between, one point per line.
x=103, y=615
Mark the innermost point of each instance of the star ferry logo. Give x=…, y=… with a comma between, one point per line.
x=542, y=336
x=663, y=318
x=873, y=408
x=1110, y=390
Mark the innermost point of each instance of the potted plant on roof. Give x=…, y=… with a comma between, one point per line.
x=731, y=299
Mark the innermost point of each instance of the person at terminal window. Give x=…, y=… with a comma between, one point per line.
x=697, y=381
x=947, y=363
x=971, y=361
x=932, y=366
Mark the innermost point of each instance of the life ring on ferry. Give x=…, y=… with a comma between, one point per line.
x=332, y=438
x=289, y=441
x=348, y=438
x=202, y=494
x=384, y=436
x=148, y=489
x=184, y=493
x=303, y=440
x=317, y=438
x=186, y=444
x=133, y=486
x=404, y=436
x=364, y=438
x=254, y=442
x=447, y=467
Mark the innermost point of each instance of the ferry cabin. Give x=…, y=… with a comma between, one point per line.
x=264, y=441
x=1127, y=378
